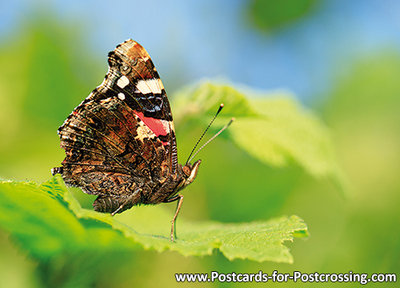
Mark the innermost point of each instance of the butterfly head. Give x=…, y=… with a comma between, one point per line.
x=190, y=172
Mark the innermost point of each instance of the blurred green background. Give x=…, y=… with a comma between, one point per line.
x=342, y=60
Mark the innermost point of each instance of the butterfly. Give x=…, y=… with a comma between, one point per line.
x=120, y=141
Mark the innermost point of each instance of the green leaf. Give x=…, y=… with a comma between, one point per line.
x=270, y=15
x=47, y=220
x=272, y=127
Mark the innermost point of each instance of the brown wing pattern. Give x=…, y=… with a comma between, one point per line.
x=121, y=138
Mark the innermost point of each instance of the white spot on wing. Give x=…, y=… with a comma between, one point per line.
x=121, y=96
x=123, y=82
x=149, y=86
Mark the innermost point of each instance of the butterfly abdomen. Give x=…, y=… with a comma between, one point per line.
x=110, y=204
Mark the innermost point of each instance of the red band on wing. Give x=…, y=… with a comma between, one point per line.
x=155, y=125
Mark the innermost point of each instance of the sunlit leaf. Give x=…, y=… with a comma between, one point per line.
x=47, y=220
x=272, y=128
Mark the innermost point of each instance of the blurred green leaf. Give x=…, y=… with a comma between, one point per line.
x=272, y=128
x=270, y=15
x=48, y=72
x=47, y=220
x=363, y=113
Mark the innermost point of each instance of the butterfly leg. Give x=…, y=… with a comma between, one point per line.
x=178, y=207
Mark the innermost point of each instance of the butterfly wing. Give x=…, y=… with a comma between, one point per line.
x=120, y=141
x=146, y=94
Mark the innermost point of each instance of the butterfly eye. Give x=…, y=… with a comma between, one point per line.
x=186, y=170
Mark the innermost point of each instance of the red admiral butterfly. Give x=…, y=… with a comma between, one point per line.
x=120, y=141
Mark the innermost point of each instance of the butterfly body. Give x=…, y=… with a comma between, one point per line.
x=120, y=141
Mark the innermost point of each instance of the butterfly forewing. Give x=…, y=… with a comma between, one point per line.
x=120, y=141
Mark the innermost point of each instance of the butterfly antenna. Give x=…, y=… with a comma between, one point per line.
x=204, y=133
x=212, y=138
